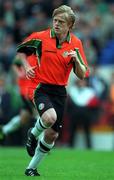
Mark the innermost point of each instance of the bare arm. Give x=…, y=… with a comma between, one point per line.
x=30, y=73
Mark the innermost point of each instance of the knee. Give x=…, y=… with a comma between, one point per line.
x=49, y=117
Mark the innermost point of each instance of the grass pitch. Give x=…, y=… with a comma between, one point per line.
x=61, y=164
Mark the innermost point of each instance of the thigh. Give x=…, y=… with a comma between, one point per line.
x=58, y=104
x=42, y=102
x=49, y=98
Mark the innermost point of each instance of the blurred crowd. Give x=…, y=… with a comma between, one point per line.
x=94, y=26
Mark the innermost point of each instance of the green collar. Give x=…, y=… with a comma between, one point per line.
x=53, y=35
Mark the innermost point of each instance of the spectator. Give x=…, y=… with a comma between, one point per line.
x=81, y=106
x=111, y=102
x=5, y=100
x=7, y=52
x=98, y=84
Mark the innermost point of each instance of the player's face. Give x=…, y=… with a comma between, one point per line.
x=60, y=24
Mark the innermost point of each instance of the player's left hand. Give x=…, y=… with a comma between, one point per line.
x=73, y=55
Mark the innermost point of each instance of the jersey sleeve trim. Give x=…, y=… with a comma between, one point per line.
x=33, y=46
x=80, y=57
x=29, y=44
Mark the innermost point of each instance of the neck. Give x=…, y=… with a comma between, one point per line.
x=61, y=37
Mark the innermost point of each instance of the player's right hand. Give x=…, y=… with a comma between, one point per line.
x=30, y=72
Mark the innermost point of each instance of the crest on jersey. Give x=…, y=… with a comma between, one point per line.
x=65, y=54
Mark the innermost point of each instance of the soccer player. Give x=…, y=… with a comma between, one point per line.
x=57, y=51
x=27, y=111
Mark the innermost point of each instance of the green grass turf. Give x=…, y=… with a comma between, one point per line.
x=61, y=164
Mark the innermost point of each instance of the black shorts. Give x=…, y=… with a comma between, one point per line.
x=27, y=104
x=51, y=96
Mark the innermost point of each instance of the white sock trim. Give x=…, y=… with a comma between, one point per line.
x=50, y=146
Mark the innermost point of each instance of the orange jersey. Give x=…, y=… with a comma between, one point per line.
x=33, y=83
x=27, y=87
x=23, y=82
x=54, y=65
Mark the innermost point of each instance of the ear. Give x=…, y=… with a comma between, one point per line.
x=70, y=25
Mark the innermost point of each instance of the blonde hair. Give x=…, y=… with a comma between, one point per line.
x=71, y=18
